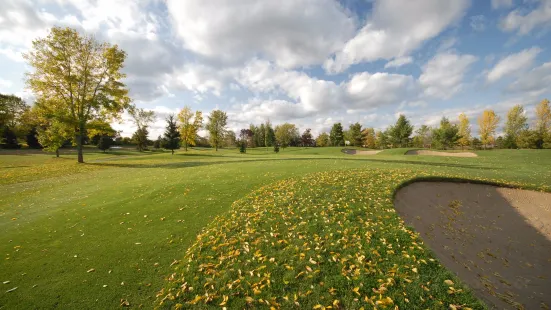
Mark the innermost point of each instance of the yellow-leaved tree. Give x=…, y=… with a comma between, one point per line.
x=369, y=139
x=189, y=125
x=543, y=120
x=77, y=80
x=488, y=124
x=464, y=130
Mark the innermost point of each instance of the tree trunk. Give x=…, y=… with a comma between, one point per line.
x=79, y=143
x=57, y=153
x=185, y=146
x=172, y=152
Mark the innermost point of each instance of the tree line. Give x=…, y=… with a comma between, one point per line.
x=517, y=132
x=77, y=83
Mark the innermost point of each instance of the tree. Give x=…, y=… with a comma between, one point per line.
x=528, y=139
x=171, y=139
x=9, y=139
x=355, y=132
x=261, y=136
x=336, y=135
x=464, y=131
x=285, y=133
x=157, y=144
x=53, y=135
x=488, y=123
x=105, y=143
x=424, y=134
x=217, y=127
x=77, y=79
x=32, y=140
x=269, y=134
x=400, y=133
x=381, y=139
x=97, y=129
x=543, y=121
x=230, y=139
x=306, y=138
x=189, y=125
x=446, y=135
x=476, y=144
x=322, y=139
x=515, y=124
x=368, y=138
x=141, y=119
x=12, y=113
x=276, y=148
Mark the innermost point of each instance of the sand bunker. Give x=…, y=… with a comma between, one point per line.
x=497, y=240
x=359, y=152
x=435, y=153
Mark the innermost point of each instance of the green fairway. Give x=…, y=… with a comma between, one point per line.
x=95, y=235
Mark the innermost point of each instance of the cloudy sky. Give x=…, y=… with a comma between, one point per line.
x=309, y=62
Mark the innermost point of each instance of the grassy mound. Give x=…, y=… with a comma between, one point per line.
x=330, y=239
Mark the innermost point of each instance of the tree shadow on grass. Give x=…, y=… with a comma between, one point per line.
x=187, y=164
x=498, y=241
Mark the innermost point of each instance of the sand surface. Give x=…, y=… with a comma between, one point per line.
x=359, y=152
x=436, y=153
x=497, y=240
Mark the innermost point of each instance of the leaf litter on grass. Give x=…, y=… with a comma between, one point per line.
x=330, y=240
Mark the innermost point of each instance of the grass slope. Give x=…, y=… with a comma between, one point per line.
x=130, y=216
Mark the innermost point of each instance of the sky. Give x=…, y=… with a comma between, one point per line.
x=307, y=62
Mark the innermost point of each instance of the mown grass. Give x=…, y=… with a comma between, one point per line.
x=130, y=217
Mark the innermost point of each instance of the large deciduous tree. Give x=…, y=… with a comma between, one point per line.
x=141, y=118
x=515, y=124
x=322, y=139
x=269, y=134
x=423, y=136
x=54, y=134
x=464, y=131
x=77, y=79
x=285, y=134
x=189, y=125
x=487, y=124
x=171, y=139
x=217, y=127
x=336, y=136
x=543, y=123
x=368, y=138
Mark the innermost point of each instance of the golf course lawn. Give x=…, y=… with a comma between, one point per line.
x=312, y=226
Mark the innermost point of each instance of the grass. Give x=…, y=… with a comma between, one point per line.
x=130, y=219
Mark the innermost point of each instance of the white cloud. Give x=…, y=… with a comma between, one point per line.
x=499, y=4
x=442, y=76
x=478, y=22
x=513, y=63
x=534, y=83
x=367, y=90
x=290, y=33
x=389, y=33
x=525, y=23
x=398, y=62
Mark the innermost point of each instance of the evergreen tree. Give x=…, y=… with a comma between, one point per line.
x=336, y=136
x=446, y=135
x=171, y=139
x=400, y=133
x=269, y=134
x=355, y=134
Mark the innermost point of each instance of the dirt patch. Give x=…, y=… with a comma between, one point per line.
x=436, y=153
x=497, y=240
x=360, y=152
